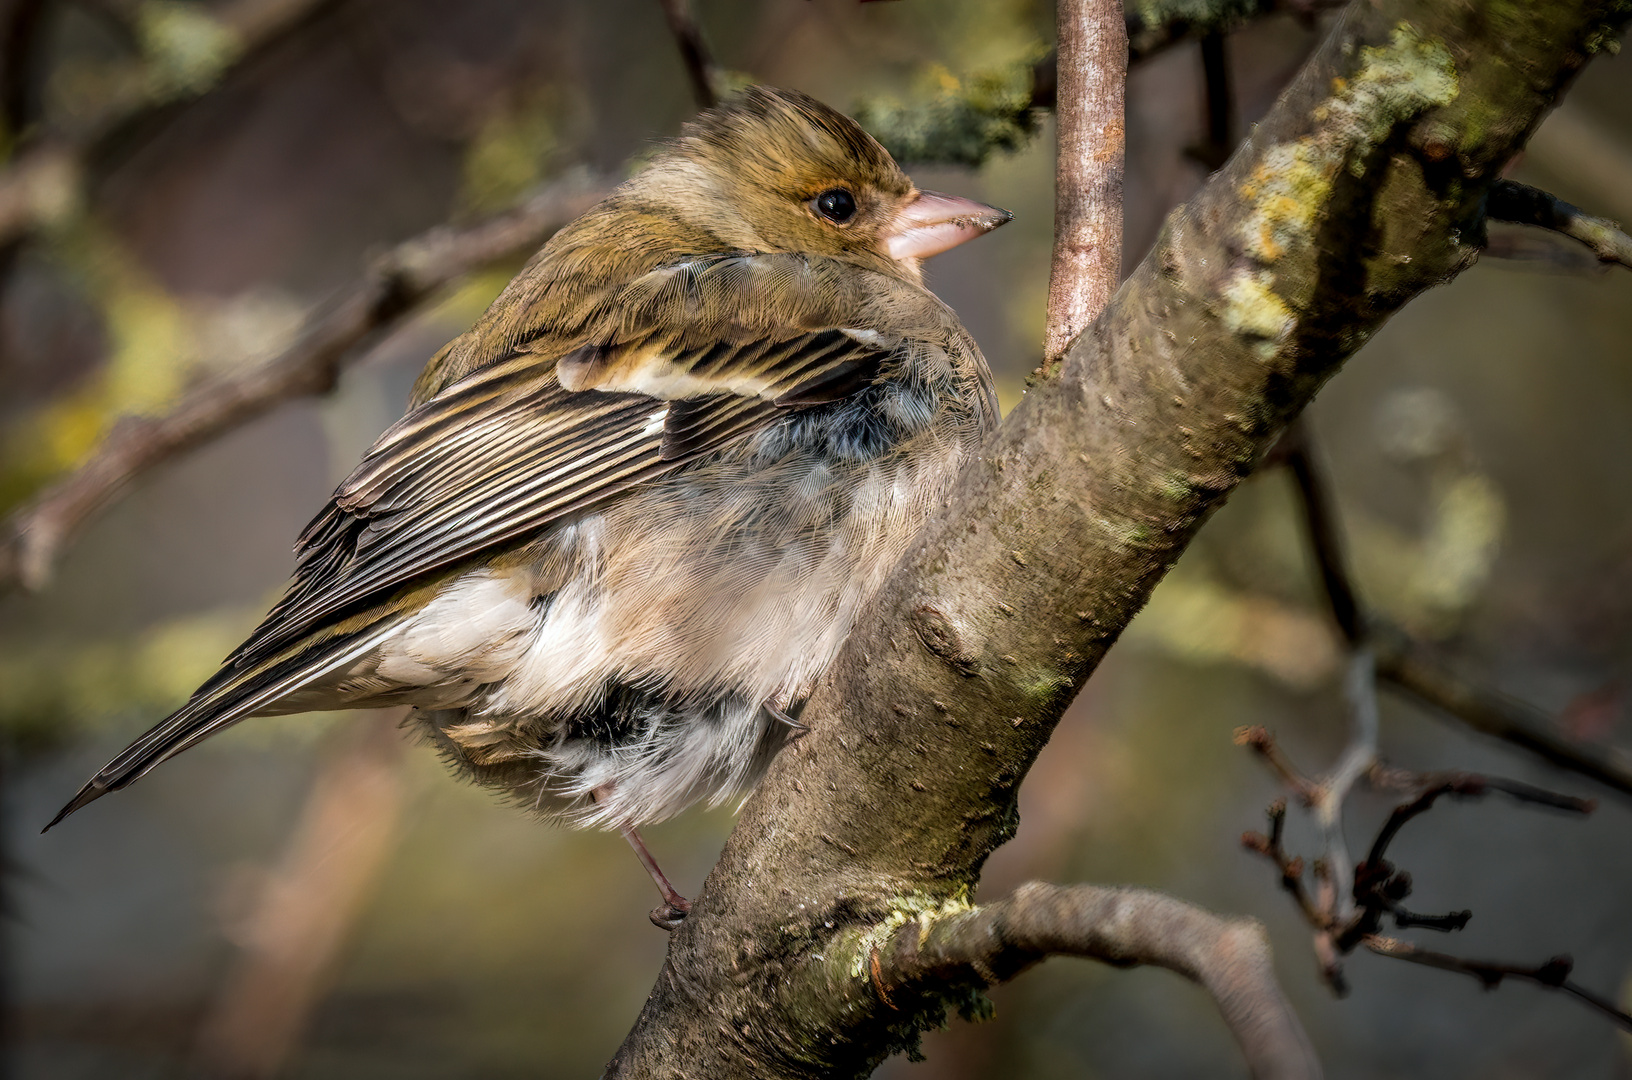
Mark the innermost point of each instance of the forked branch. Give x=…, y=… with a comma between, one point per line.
x=1347, y=910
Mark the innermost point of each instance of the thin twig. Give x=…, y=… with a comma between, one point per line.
x=1258, y=739
x=707, y=82
x=1376, y=887
x=1297, y=451
x=1525, y=205
x=1087, y=263
x=1358, y=757
x=1554, y=974
x=1120, y=926
x=1408, y=665
x=1468, y=786
x=1273, y=847
x=32, y=537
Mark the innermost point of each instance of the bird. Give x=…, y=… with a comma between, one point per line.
x=632, y=514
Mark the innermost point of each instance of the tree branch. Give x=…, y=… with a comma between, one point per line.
x=1352, y=904
x=707, y=81
x=1351, y=197
x=1125, y=927
x=1089, y=126
x=387, y=293
x=1412, y=667
x=1296, y=451
x=1554, y=974
x=1525, y=205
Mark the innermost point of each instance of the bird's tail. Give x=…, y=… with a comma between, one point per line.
x=232, y=694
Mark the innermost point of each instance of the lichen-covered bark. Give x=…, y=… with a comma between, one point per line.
x=1362, y=188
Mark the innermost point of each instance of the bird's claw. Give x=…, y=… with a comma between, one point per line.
x=670, y=914
x=799, y=730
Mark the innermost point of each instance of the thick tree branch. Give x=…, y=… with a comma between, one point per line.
x=1525, y=205
x=391, y=289
x=1090, y=129
x=993, y=943
x=1351, y=197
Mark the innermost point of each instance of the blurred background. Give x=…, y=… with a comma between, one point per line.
x=227, y=167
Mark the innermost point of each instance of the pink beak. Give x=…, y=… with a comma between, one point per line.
x=933, y=223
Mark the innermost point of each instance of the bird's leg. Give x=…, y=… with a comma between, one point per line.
x=672, y=912
x=675, y=907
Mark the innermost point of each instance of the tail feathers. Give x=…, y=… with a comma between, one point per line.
x=223, y=701
x=182, y=729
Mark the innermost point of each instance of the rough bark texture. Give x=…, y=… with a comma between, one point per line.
x=1363, y=187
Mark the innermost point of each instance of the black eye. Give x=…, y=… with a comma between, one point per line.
x=837, y=205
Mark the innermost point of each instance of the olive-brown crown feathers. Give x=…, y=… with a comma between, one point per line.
x=779, y=170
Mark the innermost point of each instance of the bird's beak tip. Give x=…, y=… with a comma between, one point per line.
x=932, y=223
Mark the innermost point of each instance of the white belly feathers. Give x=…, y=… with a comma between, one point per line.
x=743, y=605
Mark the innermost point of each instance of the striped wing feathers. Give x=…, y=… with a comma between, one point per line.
x=678, y=366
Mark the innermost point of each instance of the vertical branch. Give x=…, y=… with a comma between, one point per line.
x=1325, y=536
x=1092, y=73
x=1218, y=103
x=20, y=63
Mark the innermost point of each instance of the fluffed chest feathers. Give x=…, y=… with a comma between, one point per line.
x=633, y=652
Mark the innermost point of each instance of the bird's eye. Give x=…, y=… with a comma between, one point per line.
x=837, y=205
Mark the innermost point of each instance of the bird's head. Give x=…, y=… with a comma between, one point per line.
x=776, y=170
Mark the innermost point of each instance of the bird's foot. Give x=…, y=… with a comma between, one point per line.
x=671, y=913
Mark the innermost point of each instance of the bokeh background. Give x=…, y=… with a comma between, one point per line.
x=1480, y=447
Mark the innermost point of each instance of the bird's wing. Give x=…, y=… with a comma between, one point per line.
x=677, y=363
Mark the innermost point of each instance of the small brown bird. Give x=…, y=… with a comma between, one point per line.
x=632, y=514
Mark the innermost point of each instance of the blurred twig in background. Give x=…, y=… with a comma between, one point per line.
x=1351, y=899
x=707, y=81
x=186, y=50
x=390, y=290
x=1410, y=665
x=291, y=938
